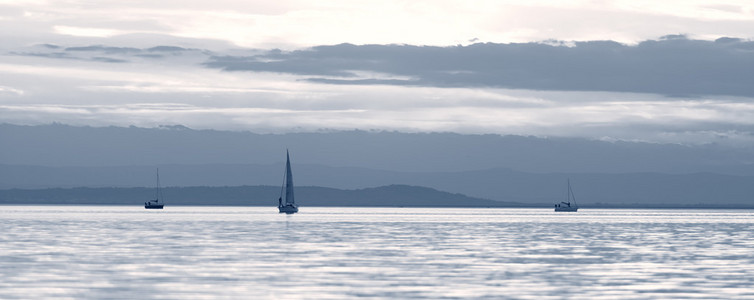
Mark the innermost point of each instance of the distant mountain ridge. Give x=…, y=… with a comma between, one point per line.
x=629, y=189
x=384, y=196
x=521, y=169
x=393, y=195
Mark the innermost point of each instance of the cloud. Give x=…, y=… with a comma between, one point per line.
x=549, y=88
x=108, y=50
x=86, y=32
x=292, y=24
x=9, y=91
x=598, y=115
x=110, y=54
x=672, y=65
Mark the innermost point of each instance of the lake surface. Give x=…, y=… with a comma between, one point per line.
x=119, y=252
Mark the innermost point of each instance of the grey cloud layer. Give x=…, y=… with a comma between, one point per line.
x=672, y=65
x=544, y=89
x=105, y=53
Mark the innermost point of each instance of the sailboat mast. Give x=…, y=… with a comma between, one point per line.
x=157, y=187
x=570, y=194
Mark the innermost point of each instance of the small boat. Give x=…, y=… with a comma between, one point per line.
x=156, y=203
x=289, y=205
x=567, y=206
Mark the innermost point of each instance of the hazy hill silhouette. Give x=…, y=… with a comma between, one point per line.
x=394, y=195
x=521, y=169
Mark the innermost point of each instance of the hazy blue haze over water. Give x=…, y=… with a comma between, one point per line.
x=342, y=253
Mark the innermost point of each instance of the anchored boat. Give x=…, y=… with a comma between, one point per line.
x=156, y=203
x=288, y=205
x=569, y=205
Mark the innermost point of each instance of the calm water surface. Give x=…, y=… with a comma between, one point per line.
x=117, y=252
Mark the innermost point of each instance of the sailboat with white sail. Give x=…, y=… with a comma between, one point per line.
x=156, y=203
x=288, y=205
x=569, y=205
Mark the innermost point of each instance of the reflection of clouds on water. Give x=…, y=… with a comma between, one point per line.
x=123, y=252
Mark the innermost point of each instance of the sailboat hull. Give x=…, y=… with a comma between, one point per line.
x=288, y=209
x=155, y=204
x=566, y=206
x=567, y=209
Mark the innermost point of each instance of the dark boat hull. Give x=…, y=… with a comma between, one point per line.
x=567, y=209
x=153, y=206
x=288, y=209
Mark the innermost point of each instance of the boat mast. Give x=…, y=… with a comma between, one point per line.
x=157, y=189
x=570, y=193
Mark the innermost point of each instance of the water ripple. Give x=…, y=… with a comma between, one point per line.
x=376, y=253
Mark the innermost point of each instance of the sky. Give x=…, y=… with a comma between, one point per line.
x=655, y=71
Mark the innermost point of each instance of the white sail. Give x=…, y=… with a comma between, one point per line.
x=289, y=205
x=288, y=180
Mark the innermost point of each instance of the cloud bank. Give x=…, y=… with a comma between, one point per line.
x=672, y=89
x=672, y=65
x=291, y=24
